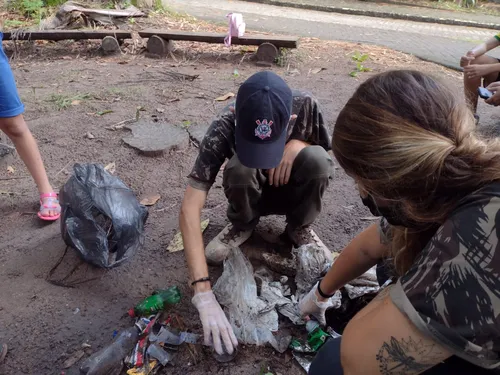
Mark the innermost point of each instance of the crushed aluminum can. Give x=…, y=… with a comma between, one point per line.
x=304, y=360
x=157, y=352
x=299, y=347
x=142, y=324
x=332, y=333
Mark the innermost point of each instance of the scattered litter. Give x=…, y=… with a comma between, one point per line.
x=111, y=357
x=317, y=70
x=3, y=353
x=161, y=110
x=368, y=218
x=225, y=97
x=111, y=167
x=293, y=72
x=157, y=302
x=252, y=318
x=10, y=169
x=304, y=360
x=177, y=244
x=89, y=135
x=105, y=112
x=101, y=218
x=73, y=359
x=77, y=310
x=143, y=370
x=150, y=200
x=86, y=346
x=365, y=284
x=157, y=352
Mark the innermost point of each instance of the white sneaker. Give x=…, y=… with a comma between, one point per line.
x=305, y=236
x=218, y=249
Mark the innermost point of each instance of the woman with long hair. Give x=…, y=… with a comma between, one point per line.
x=411, y=146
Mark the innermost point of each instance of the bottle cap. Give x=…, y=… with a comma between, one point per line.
x=131, y=313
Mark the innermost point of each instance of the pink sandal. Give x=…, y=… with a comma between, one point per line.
x=51, y=203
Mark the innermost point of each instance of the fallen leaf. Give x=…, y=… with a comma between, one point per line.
x=317, y=70
x=10, y=169
x=150, y=200
x=102, y=113
x=76, y=102
x=225, y=97
x=73, y=359
x=89, y=135
x=177, y=245
x=111, y=167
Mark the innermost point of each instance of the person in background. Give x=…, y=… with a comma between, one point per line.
x=480, y=70
x=276, y=143
x=13, y=125
x=410, y=145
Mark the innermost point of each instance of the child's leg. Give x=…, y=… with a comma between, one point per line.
x=13, y=124
x=471, y=84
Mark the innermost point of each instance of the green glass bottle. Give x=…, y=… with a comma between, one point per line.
x=157, y=302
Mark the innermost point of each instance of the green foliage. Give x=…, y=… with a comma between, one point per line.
x=32, y=9
x=359, y=59
x=282, y=58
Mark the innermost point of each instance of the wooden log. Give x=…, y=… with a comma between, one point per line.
x=158, y=46
x=110, y=45
x=247, y=40
x=56, y=35
x=267, y=52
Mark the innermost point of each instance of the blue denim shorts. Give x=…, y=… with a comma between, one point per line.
x=10, y=103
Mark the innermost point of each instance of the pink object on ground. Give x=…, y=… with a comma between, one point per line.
x=51, y=203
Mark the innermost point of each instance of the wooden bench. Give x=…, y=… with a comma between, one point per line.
x=110, y=38
x=159, y=41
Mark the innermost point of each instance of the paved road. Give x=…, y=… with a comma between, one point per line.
x=443, y=44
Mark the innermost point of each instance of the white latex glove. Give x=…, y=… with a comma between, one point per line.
x=311, y=305
x=215, y=323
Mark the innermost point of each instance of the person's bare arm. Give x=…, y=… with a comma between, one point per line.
x=362, y=253
x=189, y=222
x=481, y=49
x=380, y=339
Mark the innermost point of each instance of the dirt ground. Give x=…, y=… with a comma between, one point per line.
x=64, y=87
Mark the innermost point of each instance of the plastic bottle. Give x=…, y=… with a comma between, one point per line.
x=110, y=359
x=157, y=302
x=316, y=337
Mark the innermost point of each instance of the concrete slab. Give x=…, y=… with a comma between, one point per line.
x=154, y=138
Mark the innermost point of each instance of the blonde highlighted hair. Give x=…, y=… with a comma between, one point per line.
x=407, y=138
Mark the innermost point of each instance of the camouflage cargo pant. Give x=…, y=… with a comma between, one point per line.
x=250, y=196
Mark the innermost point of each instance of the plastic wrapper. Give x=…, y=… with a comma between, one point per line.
x=101, y=217
x=365, y=284
x=253, y=319
x=312, y=264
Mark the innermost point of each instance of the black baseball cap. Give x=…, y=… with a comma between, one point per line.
x=263, y=109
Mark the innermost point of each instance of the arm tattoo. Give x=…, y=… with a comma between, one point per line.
x=400, y=357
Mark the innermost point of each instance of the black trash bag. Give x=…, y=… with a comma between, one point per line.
x=101, y=218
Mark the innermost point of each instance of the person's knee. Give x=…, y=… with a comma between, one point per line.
x=315, y=162
x=236, y=174
x=14, y=127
